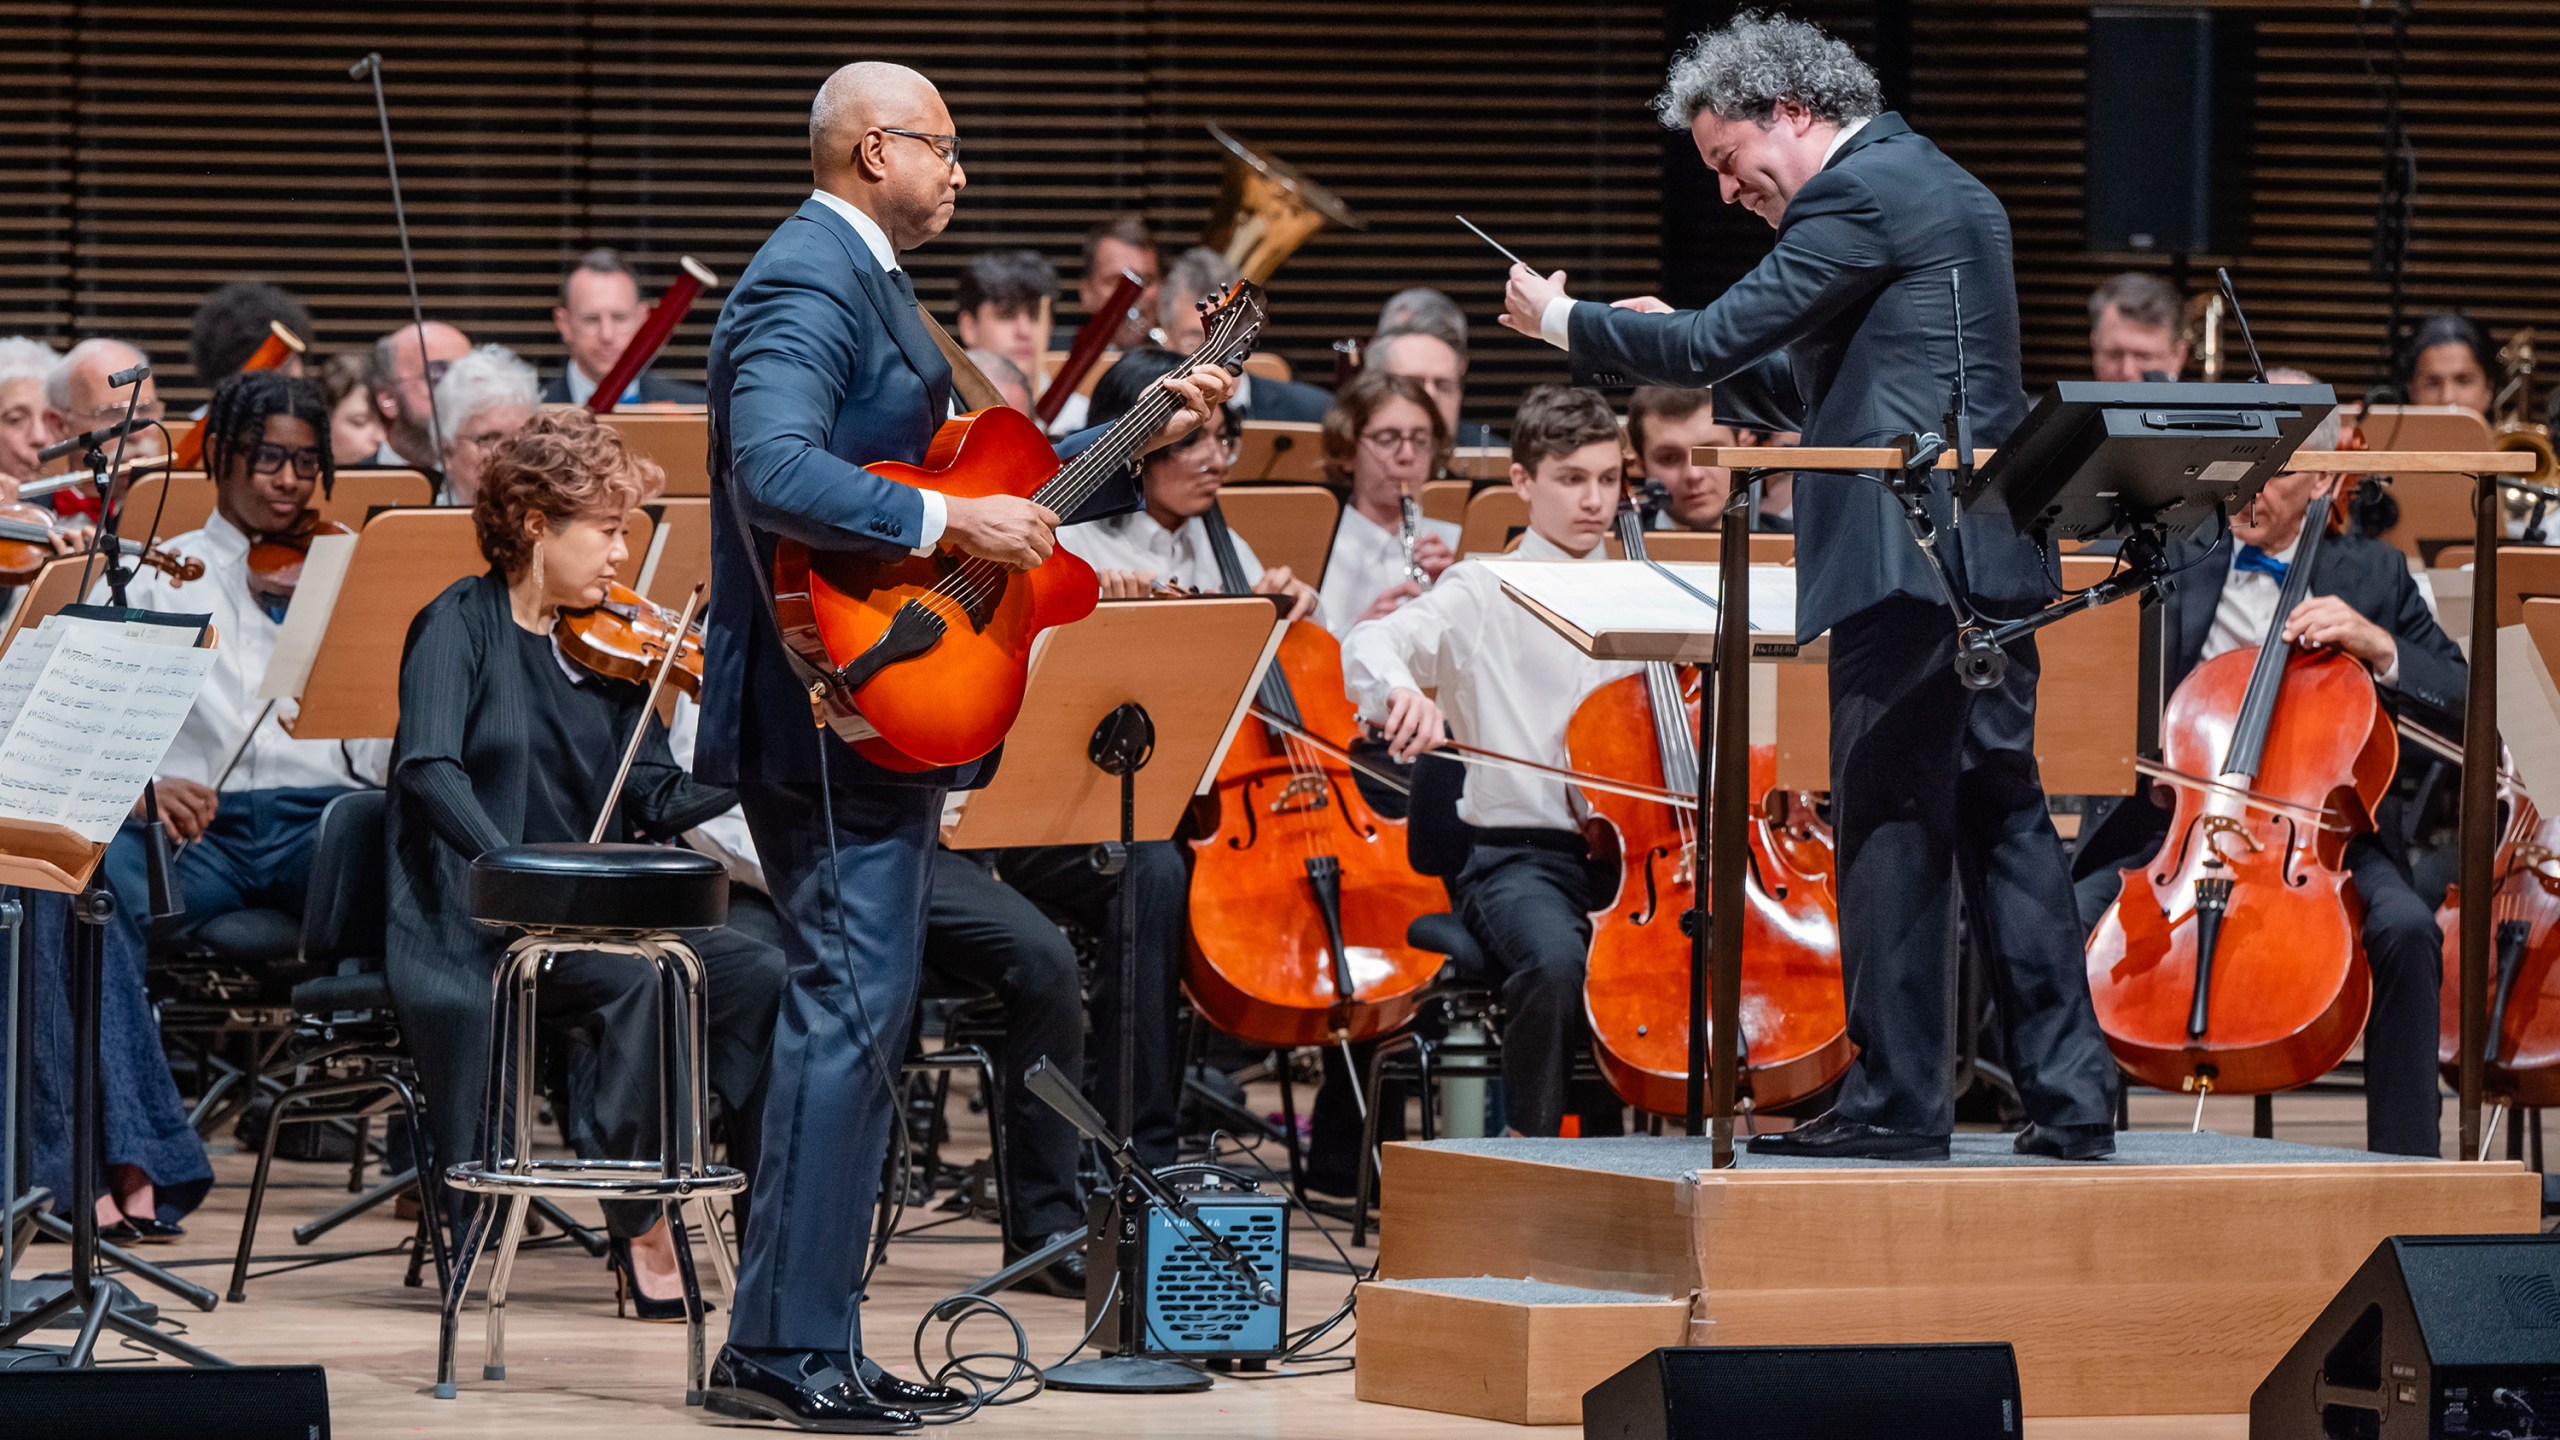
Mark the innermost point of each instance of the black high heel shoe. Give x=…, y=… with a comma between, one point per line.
x=627, y=1297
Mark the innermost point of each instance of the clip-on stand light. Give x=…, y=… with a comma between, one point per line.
x=98, y=1306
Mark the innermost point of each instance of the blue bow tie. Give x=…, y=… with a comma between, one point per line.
x=2253, y=558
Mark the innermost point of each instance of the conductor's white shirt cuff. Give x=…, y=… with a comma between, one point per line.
x=1556, y=324
x=936, y=513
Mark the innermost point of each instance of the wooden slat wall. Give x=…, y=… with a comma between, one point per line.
x=1999, y=84
x=151, y=151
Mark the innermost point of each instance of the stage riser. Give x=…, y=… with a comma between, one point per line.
x=2128, y=1290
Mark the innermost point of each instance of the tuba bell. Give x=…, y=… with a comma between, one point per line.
x=1266, y=210
x=2517, y=430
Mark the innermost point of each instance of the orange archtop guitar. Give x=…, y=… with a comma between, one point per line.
x=919, y=661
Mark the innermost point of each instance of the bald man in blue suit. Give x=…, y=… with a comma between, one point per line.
x=822, y=362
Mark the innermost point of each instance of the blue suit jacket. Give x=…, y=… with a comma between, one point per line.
x=818, y=364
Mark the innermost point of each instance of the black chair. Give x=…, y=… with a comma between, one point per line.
x=345, y=1041
x=1440, y=1046
x=222, y=997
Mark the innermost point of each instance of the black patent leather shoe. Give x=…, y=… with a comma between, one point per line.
x=800, y=1389
x=1828, y=1137
x=1062, y=1277
x=888, y=1389
x=2056, y=1142
x=151, y=1230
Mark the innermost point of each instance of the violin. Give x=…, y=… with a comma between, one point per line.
x=1643, y=728
x=2522, y=1057
x=27, y=533
x=276, y=556
x=2230, y=963
x=626, y=637
x=1300, y=894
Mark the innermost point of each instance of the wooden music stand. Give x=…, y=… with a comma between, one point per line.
x=2435, y=507
x=1702, y=547
x=679, y=440
x=1285, y=451
x=1190, y=664
x=58, y=584
x=352, y=496
x=2529, y=694
x=1288, y=525
x=1447, y=500
x=684, y=556
x=403, y=559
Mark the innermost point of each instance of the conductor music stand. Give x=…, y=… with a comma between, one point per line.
x=1125, y=717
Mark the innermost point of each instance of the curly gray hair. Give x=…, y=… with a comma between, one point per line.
x=1742, y=71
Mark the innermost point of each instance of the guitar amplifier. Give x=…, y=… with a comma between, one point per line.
x=1175, y=1297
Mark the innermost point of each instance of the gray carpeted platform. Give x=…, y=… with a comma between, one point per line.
x=1522, y=1292
x=1669, y=1157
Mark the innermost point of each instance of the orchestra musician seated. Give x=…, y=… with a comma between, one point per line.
x=1382, y=439
x=504, y=741
x=236, y=789
x=355, y=417
x=1122, y=243
x=1201, y=273
x=598, y=313
x=1664, y=425
x=484, y=398
x=1012, y=385
x=2137, y=329
x=2364, y=602
x=1002, y=300
x=1505, y=682
x=77, y=398
x=1423, y=334
x=23, y=365
x=2450, y=360
x=1168, y=540
x=232, y=322
x=406, y=367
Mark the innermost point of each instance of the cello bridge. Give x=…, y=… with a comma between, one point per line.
x=1303, y=792
x=2216, y=827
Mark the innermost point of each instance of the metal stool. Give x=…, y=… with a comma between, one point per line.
x=620, y=899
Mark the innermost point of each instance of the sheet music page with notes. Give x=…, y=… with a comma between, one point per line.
x=87, y=710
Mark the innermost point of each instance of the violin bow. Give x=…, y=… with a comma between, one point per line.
x=1495, y=759
x=657, y=683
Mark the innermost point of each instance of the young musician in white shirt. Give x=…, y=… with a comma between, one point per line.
x=1507, y=683
x=1384, y=438
x=1168, y=540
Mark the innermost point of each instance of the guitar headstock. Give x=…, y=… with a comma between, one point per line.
x=1230, y=322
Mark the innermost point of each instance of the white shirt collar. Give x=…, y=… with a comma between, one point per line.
x=1534, y=546
x=863, y=225
x=1847, y=132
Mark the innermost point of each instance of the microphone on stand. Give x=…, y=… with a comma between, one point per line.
x=90, y=439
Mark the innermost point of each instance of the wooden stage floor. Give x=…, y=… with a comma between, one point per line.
x=576, y=1371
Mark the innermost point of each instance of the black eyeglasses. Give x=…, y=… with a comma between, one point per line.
x=271, y=457
x=946, y=146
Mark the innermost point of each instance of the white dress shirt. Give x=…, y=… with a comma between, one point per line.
x=1555, y=323
x=936, y=513
x=580, y=387
x=229, y=703
x=723, y=837
x=1137, y=541
x=1505, y=681
x=1367, y=559
x=2248, y=606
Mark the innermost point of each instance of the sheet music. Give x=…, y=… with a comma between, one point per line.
x=306, y=616
x=1631, y=597
x=95, y=720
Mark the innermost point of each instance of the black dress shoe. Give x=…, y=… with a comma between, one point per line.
x=629, y=1298
x=1829, y=1137
x=1063, y=1276
x=123, y=1232
x=798, y=1388
x=2059, y=1142
x=888, y=1389
x=151, y=1230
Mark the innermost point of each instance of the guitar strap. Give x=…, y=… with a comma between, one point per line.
x=971, y=384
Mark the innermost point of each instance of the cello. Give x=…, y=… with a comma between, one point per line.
x=2230, y=961
x=1795, y=1038
x=2522, y=1058
x=1300, y=897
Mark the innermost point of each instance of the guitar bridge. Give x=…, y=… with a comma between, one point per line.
x=913, y=630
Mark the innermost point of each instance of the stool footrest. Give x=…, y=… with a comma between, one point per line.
x=610, y=1179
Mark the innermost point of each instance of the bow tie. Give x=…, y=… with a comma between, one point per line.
x=2253, y=558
